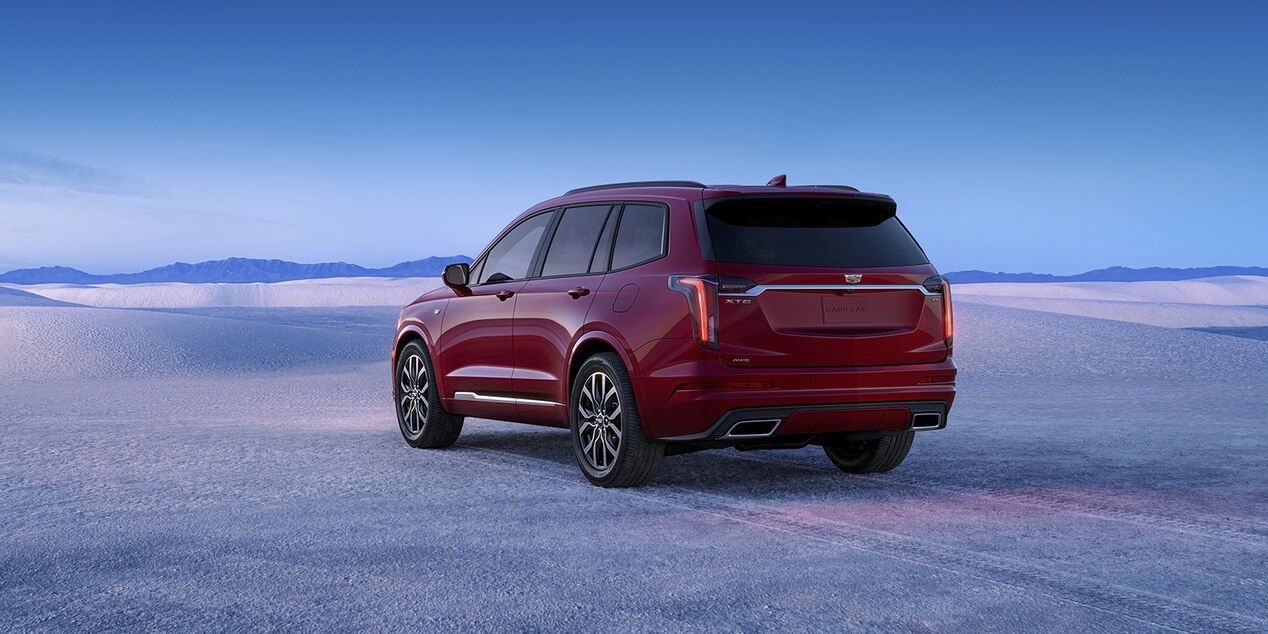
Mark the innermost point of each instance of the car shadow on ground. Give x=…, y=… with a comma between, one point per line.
x=755, y=475
x=936, y=475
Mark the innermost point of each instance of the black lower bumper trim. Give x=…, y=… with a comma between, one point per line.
x=718, y=431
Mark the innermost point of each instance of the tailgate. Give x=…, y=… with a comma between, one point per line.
x=821, y=282
x=820, y=320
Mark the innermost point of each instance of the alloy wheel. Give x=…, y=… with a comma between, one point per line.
x=413, y=395
x=599, y=413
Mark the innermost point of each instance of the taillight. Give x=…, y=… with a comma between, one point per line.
x=948, y=320
x=939, y=284
x=702, y=300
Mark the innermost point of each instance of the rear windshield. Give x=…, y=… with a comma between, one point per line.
x=816, y=232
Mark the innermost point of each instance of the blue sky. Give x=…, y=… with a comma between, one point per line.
x=1014, y=137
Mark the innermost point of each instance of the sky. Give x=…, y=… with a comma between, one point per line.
x=1014, y=137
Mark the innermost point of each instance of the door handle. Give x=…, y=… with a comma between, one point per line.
x=505, y=295
x=578, y=292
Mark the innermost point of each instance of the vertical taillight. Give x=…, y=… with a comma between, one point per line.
x=702, y=301
x=942, y=285
x=948, y=319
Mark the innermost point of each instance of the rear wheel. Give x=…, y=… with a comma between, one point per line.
x=607, y=433
x=423, y=420
x=877, y=455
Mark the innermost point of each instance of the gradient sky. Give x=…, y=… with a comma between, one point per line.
x=1014, y=137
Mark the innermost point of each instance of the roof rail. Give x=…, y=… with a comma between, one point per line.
x=845, y=187
x=637, y=184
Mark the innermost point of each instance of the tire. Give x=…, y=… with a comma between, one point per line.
x=419, y=413
x=871, y=456
x=596, y=422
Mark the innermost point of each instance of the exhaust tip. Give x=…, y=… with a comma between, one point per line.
x=753, y=428
x=926, y=420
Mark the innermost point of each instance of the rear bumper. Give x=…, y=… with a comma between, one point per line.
x=752, y=423
x=691, y=395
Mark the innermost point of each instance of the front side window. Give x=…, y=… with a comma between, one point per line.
x=640, y=236
x=573, y=245
x=510, y=258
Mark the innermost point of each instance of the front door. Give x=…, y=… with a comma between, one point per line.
x=476, y=347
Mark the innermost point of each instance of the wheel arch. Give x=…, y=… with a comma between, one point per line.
x=408, y=333
x=596, y=342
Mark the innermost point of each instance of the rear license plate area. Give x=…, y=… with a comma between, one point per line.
x=845, y=310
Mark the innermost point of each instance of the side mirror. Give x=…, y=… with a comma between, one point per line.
x=457, y=275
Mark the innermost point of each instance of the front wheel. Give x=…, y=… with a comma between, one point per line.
x=607, y=433
x=877, y=455
x=423, y=420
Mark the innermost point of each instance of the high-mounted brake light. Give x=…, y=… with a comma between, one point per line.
x=702, y=300
x=939, y=284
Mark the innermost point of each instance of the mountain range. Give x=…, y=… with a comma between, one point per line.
x=1111, y=274
x=240, y=270
x=232, y=270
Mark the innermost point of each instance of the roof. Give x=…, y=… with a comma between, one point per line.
x=637, y=185
x=715, y=191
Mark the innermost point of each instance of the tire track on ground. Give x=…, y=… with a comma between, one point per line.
x=1138, y=605
x=1241, y=530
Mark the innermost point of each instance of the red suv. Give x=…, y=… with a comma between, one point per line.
x=656, y=318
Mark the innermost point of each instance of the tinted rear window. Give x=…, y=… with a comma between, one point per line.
x=813, y=232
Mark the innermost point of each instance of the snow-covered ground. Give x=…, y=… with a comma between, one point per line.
x=1240, y=300
x=336, y=291
x=18, y=297
x=234, y=468
x=1234, y=301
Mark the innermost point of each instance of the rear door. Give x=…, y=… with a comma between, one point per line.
x=551, y=308
x=820, y=281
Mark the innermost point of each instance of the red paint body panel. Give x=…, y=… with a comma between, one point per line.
x=819, y=328
x=547, y=320
x=783, y=348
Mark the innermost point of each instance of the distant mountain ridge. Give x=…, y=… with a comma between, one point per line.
x=232, y=270
x=1111, y=274
x=242, y=270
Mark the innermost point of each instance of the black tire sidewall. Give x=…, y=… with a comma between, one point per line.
x=637, y=457
x=880, y=455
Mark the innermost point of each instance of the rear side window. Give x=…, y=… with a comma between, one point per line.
x=510, y=258
x=573, y=245
x=815, y=232
x=640, y=236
